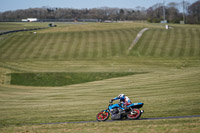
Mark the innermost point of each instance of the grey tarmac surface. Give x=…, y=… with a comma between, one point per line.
x=156, y=118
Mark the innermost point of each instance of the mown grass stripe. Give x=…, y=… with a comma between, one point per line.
x=128, y=38
x=29, y=47
x=125, y=41
x=151, y=82
x=55, y=47
x=48, y=50
x=148, y=37
x=174, y=44
x=11, y=53
x=183, y=44
x=78, y=46
x=130, y=35
x=41, y=47
x=112, y=43
x=170, y=84
x=166, y=43
x=178, y=45
x=188, y=42
x=90, y=45
x=198, y=44
x=104, y=43
x=119, y=41
x=86, y=45
x=96, y=45
x=153, y=42
x=192, y=42
x=36, y=47
x=4, y=49
x=45, y=49
x=61, y=43
x=69, y=44
x=5, y=41
x=100, y=44
x=82, y=45
x=25, y=45
x=74, y=44
x=65, y=41
x=39, y=44
x=108, y=44
x=158, y=43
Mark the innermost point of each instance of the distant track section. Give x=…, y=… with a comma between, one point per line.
x=156, y=118
x=13, y=31
x=139, y=35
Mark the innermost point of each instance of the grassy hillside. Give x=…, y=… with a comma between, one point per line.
x=168, y=60
x=176, y=42
x=97, y=41
x=67, y=45
x=159, y=126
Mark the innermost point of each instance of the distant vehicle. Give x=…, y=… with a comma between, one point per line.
x=108, y=21
x=118, y=113
x=30, y=20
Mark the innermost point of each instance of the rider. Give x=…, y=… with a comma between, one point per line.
x=123, y=99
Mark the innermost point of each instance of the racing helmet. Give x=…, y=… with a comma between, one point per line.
x=121, y=96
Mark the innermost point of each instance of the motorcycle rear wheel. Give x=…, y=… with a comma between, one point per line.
x=134, y=115
x=103, y=115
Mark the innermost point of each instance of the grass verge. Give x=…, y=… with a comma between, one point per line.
x=61, y=79
x=186, y=125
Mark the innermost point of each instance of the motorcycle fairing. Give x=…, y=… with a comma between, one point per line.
x=136, y=105
x=114, y=106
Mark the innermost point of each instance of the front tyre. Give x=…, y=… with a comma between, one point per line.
x=103, y=115
x=134, y=115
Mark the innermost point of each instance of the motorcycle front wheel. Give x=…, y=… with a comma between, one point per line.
x=134, y=115
x=103, y=115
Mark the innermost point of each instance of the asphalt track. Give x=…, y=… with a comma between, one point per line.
x=156, y=118
x=139, y=35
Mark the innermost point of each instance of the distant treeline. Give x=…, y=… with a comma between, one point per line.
x=153, y=14
x=75, y=14
x=190, y=13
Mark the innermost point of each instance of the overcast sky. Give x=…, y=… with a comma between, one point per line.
x=6, y=5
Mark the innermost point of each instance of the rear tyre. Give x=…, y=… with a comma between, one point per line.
x=134, y=115
x=103, y=115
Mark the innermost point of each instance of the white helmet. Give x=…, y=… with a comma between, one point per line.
x=121, y=96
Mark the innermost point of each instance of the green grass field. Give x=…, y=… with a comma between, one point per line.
x=168, y=62
x=62, y=79
x=9, y=26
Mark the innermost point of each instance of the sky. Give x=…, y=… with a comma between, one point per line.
x=6, y=5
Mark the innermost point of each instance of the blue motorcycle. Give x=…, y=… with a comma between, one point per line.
x=119, y=112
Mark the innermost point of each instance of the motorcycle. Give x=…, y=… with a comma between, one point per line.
x=119, y=112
